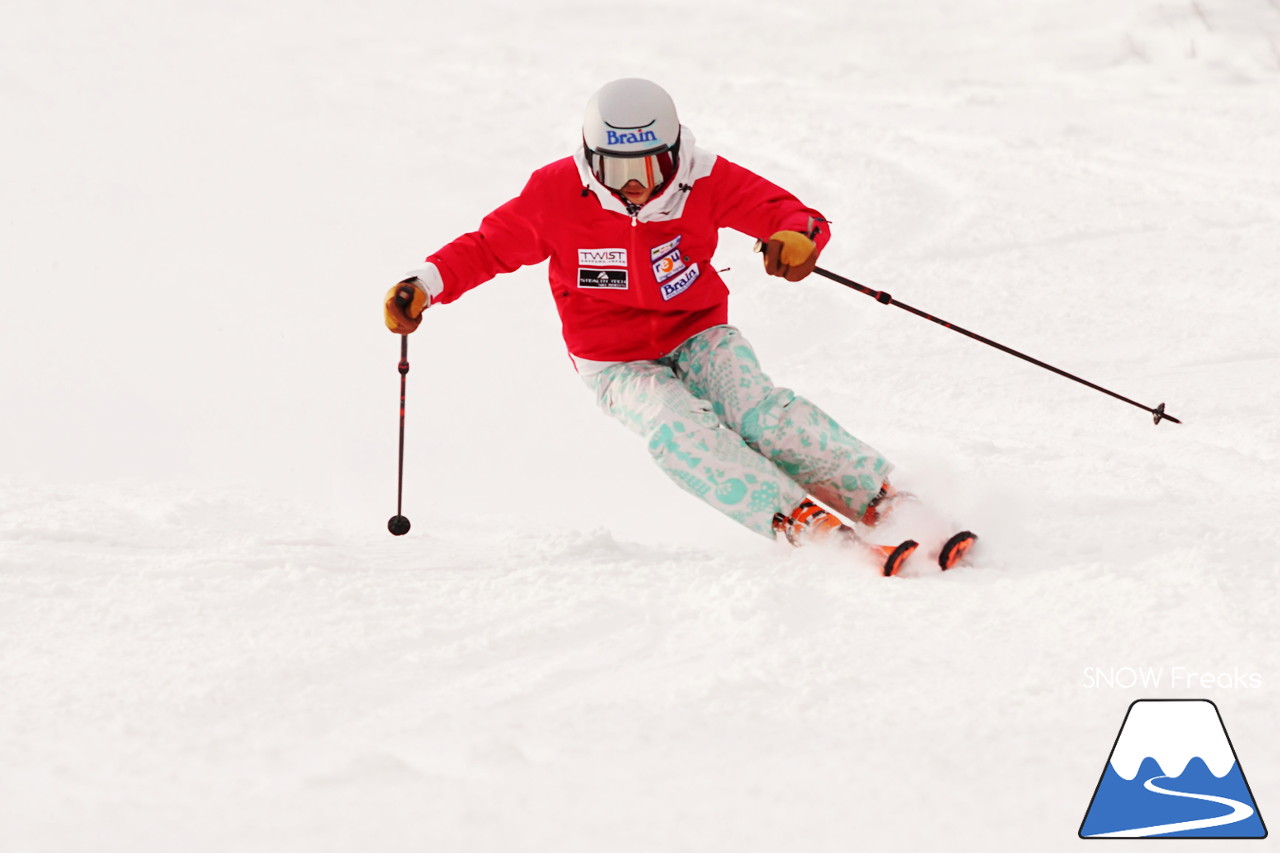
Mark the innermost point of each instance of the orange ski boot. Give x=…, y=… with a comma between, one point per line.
x=929, y=526
x=809, y=523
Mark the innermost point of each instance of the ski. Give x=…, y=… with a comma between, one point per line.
x=902, y=513
x=954, y=549
x=892, y=557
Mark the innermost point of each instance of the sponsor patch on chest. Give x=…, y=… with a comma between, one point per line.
x=602, y=258
x=679, y=285
x=597, y=279
x=668, y=265
x=669, y=246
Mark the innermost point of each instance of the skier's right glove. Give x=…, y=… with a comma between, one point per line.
x=404, y=306
x=790, y=254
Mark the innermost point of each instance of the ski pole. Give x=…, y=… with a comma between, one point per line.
x=883, y=298
x=398, y=524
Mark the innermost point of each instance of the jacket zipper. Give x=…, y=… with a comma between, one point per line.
x=637, y=272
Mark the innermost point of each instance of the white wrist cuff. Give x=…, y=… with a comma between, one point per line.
x=430, y=278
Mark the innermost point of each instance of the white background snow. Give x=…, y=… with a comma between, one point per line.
x=208, y=640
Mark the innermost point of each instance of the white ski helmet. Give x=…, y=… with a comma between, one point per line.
x=631, y=132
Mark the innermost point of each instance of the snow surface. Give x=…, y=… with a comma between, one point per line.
x=208, y=641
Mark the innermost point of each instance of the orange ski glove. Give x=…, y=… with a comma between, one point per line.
x=790, y=254
x=404, y=306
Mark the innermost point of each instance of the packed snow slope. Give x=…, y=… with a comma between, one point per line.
x=208, y=641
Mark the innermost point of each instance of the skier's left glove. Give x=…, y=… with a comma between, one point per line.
x=404, y=305
x=790, y=254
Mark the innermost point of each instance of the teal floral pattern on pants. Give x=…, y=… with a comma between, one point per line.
x=721, y=430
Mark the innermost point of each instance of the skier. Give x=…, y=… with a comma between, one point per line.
x=630, y=223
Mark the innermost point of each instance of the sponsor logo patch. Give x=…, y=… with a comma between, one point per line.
x=1173, y=773
x=669, y=246
x=629, y=137
x=597, y=279
x=677, y=286
x=602, y=257
x=668, y=266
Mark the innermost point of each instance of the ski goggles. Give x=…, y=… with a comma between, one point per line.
x=651, y=170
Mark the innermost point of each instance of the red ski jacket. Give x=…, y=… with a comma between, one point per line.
x=629, y=284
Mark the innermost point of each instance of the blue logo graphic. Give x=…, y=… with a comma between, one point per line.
x=1173, y=773
x=615, y=138
x=672, y=289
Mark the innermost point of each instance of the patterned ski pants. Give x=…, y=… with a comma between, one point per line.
x=719, y=428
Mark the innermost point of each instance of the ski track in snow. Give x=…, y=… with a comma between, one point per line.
x=208, y=640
